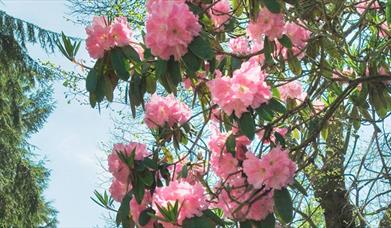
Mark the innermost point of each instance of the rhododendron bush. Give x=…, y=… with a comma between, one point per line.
x=264, y=85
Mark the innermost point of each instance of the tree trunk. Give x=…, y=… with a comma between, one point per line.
x=329, y=183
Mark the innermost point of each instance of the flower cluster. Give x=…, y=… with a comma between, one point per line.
x=267, y=23
x=171, y=26
x=299, y=37
x=246, y=88
x=274, y=170
x=258, y=205
x=103, y=36
x=165, y=110
x=191, y=200
x=240, y=46
x=292, y=90
x=364, y=5
x=219, y=13
x=120, y=170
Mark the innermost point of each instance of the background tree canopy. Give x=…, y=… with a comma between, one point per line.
x=25, y=103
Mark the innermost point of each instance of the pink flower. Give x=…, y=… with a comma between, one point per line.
x=246, y=88
x=170, y=26
x=136, y=209
x=318, y=105
x=118, y=190
x=384, y=30
x=292, y=90
x=102, y=36
x=98, y=39
x=267, y=23
x=230, y=199
x=117, y=167
x=219, y=14
x=120, y=32
x=240, y=46
x=191, y=199
x=275, y=169
x=362, y=6
x=165, y=110
x=298, y=35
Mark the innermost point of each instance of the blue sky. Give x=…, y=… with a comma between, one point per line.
x=71, y=137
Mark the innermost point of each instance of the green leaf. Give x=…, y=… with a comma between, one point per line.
x=247, y=125
x=283, y=205
x=174, y=71
x=236, y=63
x=198, y=222
x=123, y=212
x=191, y=62
x=216, y=219
x=131, y=53
x=268, y=50
x=145, y=216
x=150, y=163
x=138, y=190
x=92, y=99
x=388, y=12
x=109, y=89
x=184, y=171
x=272, y=5
x=246, y=224
x=279, y=138
x=285, y=41
x=201, y=48
x=150, y=84
x=91, y=80
x=160, y=67
x=265, y=113
x=120, y=64
x=268, y=222
x=147, y=178
x=276, y=105
x=294, y=63
x=230, y=144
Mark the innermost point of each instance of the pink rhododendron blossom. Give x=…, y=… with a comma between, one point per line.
x=120, y=32
x=362, y=6
x=223, y=163
x=292, y=90
x=98, y=37
x=318, y=105
x=240, y=46
x=118, y=190
x=136, y=209
x=117, y=167
x=191, y=199
x=102, y=36
x=267, y=23
x=274, y=170
x=219, y=14
x=165, y=110
x=246, y=88
x=297, y=34
x=171, y=26
x=230, y=201
x=384, y=30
